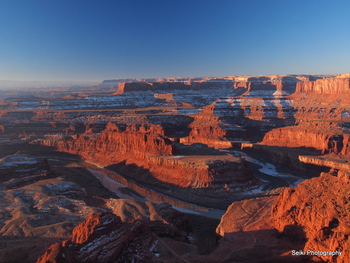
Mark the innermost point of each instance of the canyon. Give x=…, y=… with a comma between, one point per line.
x=231, y=169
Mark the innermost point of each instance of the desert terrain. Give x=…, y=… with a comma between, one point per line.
x=231, y=169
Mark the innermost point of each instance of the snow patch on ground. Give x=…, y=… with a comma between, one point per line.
x=268, y=168
x=15, y=160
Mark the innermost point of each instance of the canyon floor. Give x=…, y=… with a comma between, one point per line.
x=235, y=169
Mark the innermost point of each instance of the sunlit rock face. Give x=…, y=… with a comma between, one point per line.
x=145, y=154
x=320, y=206
x=247, y=106
x=338, y=85
x=319, y=134
x=191, y=140
x=310, y=217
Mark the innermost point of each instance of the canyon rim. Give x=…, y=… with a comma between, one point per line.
x=224, y=169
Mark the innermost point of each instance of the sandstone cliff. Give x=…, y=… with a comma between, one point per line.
x=312, y=216
x=323, y=99
x=116, y=144
x=207, y=128
x=325, y=137
x=144, y=154
x=321, y=113
x=124, y=87
x=320, y=206
x=267, y=86
x=325, y=86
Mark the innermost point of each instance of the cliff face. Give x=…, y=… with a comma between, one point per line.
x=320, y=206
x=125, y=87
x=321, y=113
x=268, y=88
x=142, y=152
x=324, y=86
x=323, y=99
x=312, y=216
x=207, y=128
x=278, y=84
x=115, y=144
x=324, y=137
x=207, y=133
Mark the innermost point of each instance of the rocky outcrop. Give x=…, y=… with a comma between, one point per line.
x=320, y=110
x=102, y=237
x=208, y=129
x=325, y=86
x=131, y=86
x=331, y=161
x=325, y=137
x=116, y=144
x=320, y=207
x=145, y=146
x=142, y=154
x=130, y=233
x=267, y=86
x=323, y=99
x=246, y=215
x=310, y=217
x=310, y=146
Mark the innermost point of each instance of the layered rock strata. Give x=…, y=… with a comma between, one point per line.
x=339, y=85
x=209, y=129
x=267, y=86
x=125, y=87
x=324, y=137
x=144, y=154
x=321, y=132
x=115, y=144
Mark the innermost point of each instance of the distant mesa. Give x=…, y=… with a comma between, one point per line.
x=269, y=153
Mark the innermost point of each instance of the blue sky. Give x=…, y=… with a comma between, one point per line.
x=95, y=40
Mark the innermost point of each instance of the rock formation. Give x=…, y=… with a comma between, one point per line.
x=102, y=237
x=208, y=129
x=267, y=86
x=130, y=233
x=143, y=153
x=162, y=218
x=115, y=144
x=321, y=127
x=320, y=207
x=340, y=85
x=158, y=133
x=312, y=216
x=125, y=87
x=324, y=137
